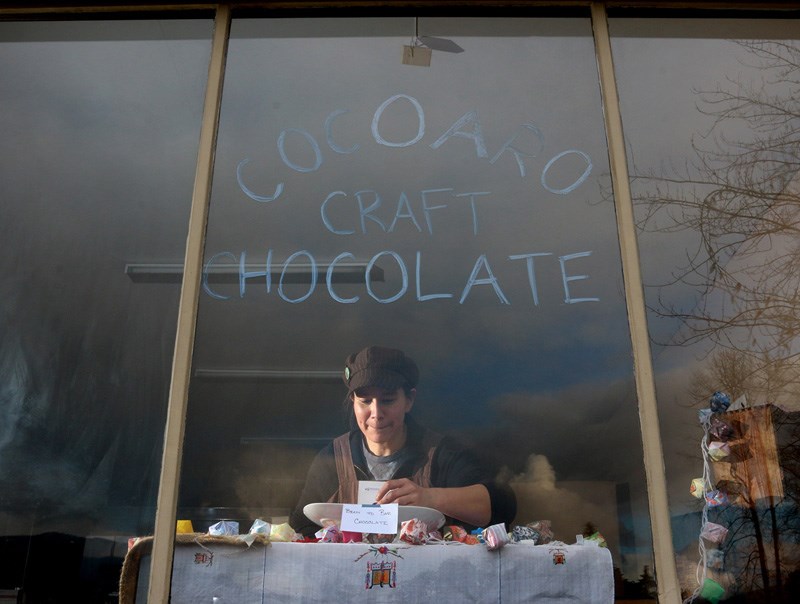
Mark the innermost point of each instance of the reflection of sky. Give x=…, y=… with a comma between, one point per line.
x=100, y=124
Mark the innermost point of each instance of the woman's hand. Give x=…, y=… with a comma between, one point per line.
x=470, y=504
x=404, y=491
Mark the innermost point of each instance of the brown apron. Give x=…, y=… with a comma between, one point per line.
x=348, y=482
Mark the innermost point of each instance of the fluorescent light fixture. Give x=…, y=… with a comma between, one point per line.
x=270, y=375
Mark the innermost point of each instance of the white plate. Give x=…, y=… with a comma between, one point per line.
x=320, y=513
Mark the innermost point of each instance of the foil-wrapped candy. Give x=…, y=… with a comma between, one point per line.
x=282, y=532
x=455, y=533
x=224, y=528
x=718, y=451
x=715, y=558
x=711, y=591
x=260, y=527
x=544, y=530
x=719, y=430
x=715, y=533
x=413, y=531
x=716, y=498
x=597, y=538
x=524, y=533
x=697, y=488
x=719, y=402
x=496, y=536
x=329, y=534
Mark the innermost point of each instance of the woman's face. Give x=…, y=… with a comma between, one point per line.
x=380, y=415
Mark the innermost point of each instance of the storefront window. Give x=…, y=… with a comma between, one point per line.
x=710, y=115
x=459, y=211
x=100, y=123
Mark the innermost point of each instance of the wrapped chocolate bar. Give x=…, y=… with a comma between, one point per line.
x=719, y=402
x=224, y=528
x=545, y=532
x=495, y=536
x=524, y=533
x=413, y=531
x=718, y=451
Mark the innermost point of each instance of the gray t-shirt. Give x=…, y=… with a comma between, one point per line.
x=383, y=468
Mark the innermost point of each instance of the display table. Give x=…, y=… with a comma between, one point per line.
x=205, y=569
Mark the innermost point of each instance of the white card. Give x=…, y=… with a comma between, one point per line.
x=368, y=489
x=381, y=519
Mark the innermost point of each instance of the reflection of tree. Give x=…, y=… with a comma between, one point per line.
x=739, y=201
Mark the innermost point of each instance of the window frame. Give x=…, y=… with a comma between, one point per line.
x=161, y=567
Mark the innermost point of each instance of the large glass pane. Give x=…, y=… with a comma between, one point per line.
x=710, y=111
x=456, y=211
x=98, y=141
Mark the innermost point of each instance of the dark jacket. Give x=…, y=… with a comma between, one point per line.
x=452, y=466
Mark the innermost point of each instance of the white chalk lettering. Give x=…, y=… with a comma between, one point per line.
x=311, y=141
x=379, y=112
x=455, y=130
x=526, y=142
x=529, y=260
x=520, y=155
x=489, y=280
x=329, y=134
x=370, y=205
x=568, y=299
x=302, y=268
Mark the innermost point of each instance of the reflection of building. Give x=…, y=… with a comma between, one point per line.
x=761, y=550
x=752, y=471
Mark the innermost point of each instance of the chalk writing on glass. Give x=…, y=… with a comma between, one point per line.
x=302, y=269
x=399, y=122
x=527, y=141
x=369, y=203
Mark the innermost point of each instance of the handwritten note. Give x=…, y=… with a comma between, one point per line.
x=381, y=519
x=368, y=490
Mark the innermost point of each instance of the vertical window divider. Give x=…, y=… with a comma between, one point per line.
x=164, y=534
x=667, y=576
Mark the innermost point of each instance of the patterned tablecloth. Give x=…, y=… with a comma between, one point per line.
x=332, y=572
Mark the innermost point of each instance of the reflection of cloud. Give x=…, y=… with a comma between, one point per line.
x=569, y=506
x=586, y=430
